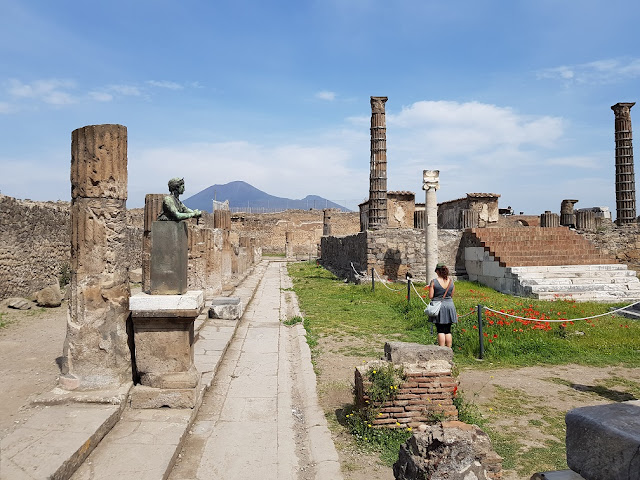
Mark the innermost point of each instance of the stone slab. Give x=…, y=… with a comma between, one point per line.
x=225, y=301
x=603, y=441
x=143, y=397
x=404, y=352
x=142, y=446
x=188, y=305
x=169, y=258
x=55, y=441
x=60, y=396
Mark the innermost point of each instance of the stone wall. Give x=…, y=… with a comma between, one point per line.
x=35, y=244
x=392, y=252
x=269, y=229
x=623, y=242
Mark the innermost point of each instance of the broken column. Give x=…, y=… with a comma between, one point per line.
x=567, y=214
x=625, y=177
x=548, y=219
x=96, y=352
x=378, y=165
x=585, y=220
x=326, y=222
x=431, y=183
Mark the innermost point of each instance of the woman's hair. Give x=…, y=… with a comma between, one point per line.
x=443, y=271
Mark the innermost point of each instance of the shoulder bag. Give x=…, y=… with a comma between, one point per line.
x=433, y=309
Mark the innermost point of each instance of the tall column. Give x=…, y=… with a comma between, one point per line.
x=431, y=183
x=378, y=166
x=96, y=351
x=625, y=178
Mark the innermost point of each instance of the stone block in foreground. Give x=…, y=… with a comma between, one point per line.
x=603, y=441
x=227, y=308
x=404, y=352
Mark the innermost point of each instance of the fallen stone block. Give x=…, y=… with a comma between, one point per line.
x=226, y=308
x=49, y=297
x=603, y=441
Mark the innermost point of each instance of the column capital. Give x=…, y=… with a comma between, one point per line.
x=622, y=108
x=430, y=179
x=377, y=104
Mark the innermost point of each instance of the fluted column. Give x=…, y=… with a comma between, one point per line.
x=549, y=220
x=567, y=213
x=625, y=177
x=96, y=351
x=378, y=165
x=431, y=183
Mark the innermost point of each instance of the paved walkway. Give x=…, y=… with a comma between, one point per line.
x=261, y=419
x=257, y=414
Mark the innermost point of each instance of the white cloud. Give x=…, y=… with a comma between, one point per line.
x=577, y=161
x=101, y=96
x=51, y=91
x=6, y=108
x=126, y=90
x=326, y=95
x=597, y=72
x=165, y=84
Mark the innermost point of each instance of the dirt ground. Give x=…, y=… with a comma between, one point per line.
x=29, y=346
x=549, y=389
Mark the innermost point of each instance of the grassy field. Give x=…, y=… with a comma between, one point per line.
x=336, y=309
x=333, y=307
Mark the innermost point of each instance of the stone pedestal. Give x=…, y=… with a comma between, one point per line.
x=164, y=336
x=169, y=258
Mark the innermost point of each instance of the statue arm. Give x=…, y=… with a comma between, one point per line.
x=172, y=211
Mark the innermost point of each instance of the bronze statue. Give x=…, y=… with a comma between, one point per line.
x=172, y=208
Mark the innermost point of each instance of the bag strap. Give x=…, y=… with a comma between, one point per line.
x=444, y=295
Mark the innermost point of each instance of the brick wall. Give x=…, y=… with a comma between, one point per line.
x=424, y=395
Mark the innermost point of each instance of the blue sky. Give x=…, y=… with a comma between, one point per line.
x=510, y=97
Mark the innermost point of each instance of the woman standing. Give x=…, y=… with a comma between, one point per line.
x=441, y=289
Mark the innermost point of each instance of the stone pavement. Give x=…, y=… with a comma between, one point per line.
x=260, y=418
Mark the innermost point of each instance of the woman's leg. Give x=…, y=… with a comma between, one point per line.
x=442, y=339
x=448, y=340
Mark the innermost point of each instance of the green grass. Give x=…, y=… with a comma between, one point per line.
x=3, y=321
x=335, y=308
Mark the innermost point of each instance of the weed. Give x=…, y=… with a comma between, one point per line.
x=385, y=380
x=293, y=321
x=64, y=275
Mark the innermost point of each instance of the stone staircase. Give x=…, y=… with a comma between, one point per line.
x=547, y=263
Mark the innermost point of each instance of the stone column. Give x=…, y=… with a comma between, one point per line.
x=548, y=219
x=431, y=183
x=96, y=351
x=378, y=165
x=152, y=208
x=288, y=245
x=567, y=214
x=625, y=177
x=585, y=220
x=326, y=222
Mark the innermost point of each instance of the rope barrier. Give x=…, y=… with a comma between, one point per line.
x=562, y=320
x=385, y=283
x=423, y=301
x=358, y=275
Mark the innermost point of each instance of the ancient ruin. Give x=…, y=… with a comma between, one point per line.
x=378, y=167
x=625, y=177
x=96, y=349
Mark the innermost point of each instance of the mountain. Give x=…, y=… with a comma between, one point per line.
x=245, y=197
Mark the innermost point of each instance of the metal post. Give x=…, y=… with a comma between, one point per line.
x=480, y=336
x=373, y=280
x=408, y=291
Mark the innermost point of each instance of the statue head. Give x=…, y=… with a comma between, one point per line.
x=176, y=185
